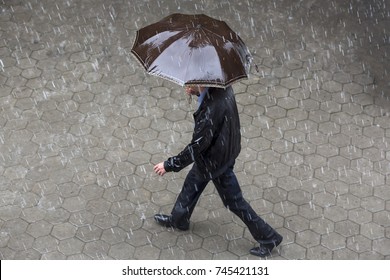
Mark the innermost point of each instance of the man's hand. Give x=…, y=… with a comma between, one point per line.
x=159, y=169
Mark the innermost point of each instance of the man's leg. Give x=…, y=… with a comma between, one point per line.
x=193, y=186
x=231, y=195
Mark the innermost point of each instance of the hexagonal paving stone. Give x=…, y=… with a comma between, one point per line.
x=292, y=159
x=45, y=244
x=20, y=242
x=121, y=251
x=286, y=209
x=324, y=199
x=255, y=168
x=278, y=170
x=70, y=246
x=115, y=194
x=58, y=216
x=339, y=163
x=332, y=86
x=382, y=218
x=40, y=228
x=215, y=244
x=293, y=252
x=345, y=254
x=373, y=204
x=325, y=174
x=327, y=150
x=122, y=208
x=359, y=244
x=114, y=235
x=14, y=227
x=313, y=185
x=274, y=195
x=89, y=233
x=189, y=242
x=350, y=176
x=64, y=231
x=347, y=228
x=106, y=220
x=360, y=215
x=308, y=238
x=333, y=241
x=198, y=254
x=330, y=107
x=348, y=201
x=147, y=252
x=290, y=82
x=372, y=230
x=74, y=204
x=382, y=246
x=98, y=206
x=382, y=192
x=296, y=223
x=299, y=197
x=97, y=250
x=322, y=225
x=81, y=218
x=163, y=198
x=352, y=88
x=329, y=128
x=319, y=253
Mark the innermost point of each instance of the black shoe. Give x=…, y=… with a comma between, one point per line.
x=264, y=250
x=166, y=221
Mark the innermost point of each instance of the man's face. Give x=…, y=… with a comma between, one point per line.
x=193, y=90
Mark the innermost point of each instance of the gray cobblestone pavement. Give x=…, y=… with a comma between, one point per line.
x=82, y=125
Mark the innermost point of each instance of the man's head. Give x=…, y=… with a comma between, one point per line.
x=193, y=90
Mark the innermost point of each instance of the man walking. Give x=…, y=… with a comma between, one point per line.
x=215, y=144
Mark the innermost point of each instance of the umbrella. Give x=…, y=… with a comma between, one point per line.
x=192, y=50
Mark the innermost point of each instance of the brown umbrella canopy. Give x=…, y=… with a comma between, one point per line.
x=192, y=50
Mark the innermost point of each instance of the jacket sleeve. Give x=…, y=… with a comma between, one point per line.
x=204, y=131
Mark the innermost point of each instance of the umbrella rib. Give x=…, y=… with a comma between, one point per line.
x=189, y=31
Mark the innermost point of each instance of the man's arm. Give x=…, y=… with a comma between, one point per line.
x=205, y=128
x=188, y=155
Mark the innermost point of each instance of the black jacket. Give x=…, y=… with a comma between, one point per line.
x=216, y=140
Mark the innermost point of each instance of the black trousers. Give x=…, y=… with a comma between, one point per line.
x=230, y=192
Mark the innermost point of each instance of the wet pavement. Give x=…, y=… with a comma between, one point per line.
x=82, y=125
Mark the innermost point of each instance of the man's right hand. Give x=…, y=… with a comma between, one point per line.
x=159, y=169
